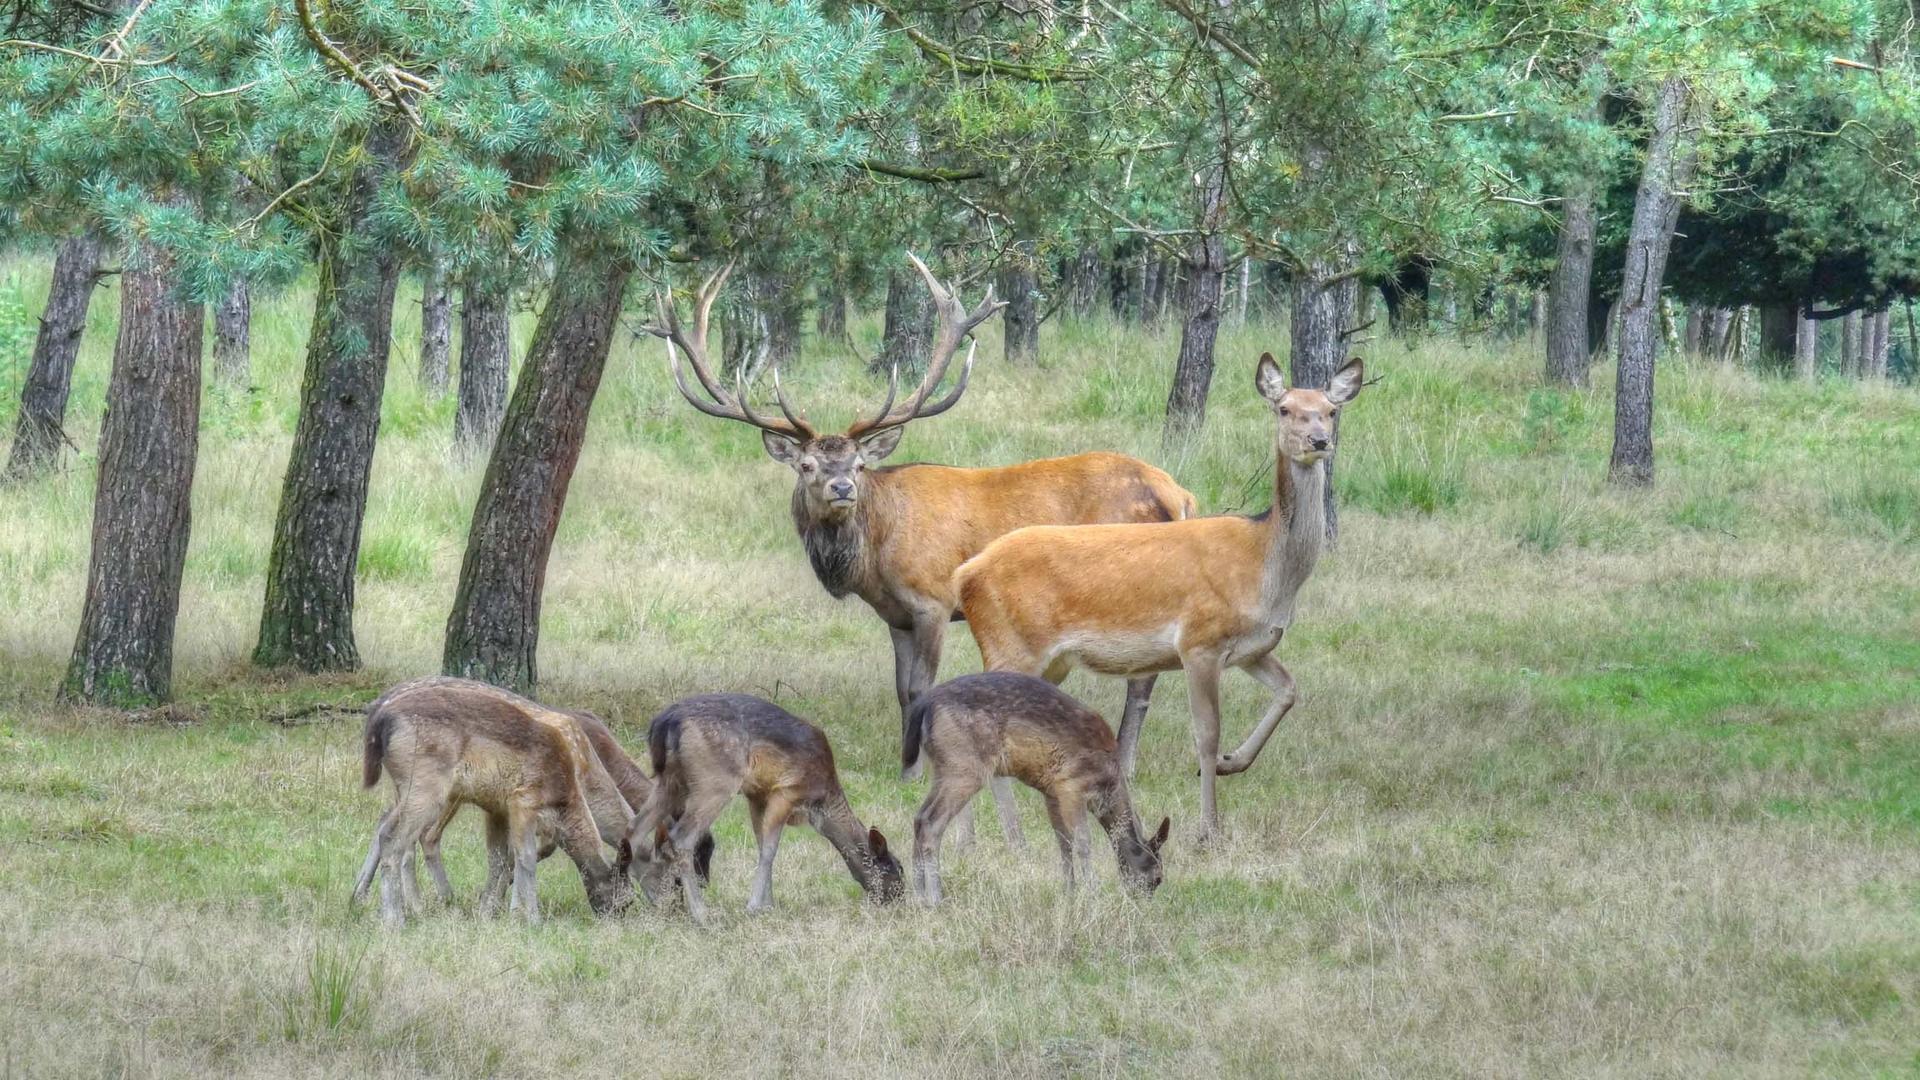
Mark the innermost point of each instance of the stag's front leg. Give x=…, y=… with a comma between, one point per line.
x=903, y=665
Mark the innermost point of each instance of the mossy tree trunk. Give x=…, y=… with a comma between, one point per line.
x=494, y=631
x=142, y=506
x=307, y=619
x=39, y=430
x=486, y=355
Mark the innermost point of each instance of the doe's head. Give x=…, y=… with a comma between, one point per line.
x=828, y=469
x=1307, y=431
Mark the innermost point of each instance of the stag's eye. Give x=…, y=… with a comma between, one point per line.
x=1284, y=412
x=807, y=466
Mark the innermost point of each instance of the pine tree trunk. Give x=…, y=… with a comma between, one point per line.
x=1719, y=327
x=909, y=327
x=1882, y=340
x=1694, y=339
x=39, y=429
x=142, y=507
x=436, y=329
x=1207, y=272
x=486, y=353
x=494, y=631
x=1569, y=292
x=1020, y=319
x=780, y=305
x=307, y=619
x=1081, y=282
x=1656, y=208
x=1806, y=347
x=1779, y=335
x=233, y=335
x=830, y=324
x=1850, y=334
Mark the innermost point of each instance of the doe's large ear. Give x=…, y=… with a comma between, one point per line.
x=881, y=443
x=877, y=842
x=1269, y=379
x=780, y=448
x=1347, y=382
x=1160, y=838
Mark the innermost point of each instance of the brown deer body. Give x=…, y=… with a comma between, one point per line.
x=977, y=727
x=708, y=748
x=447, y=742
x=614, y=786
x=894, y=535
x=1203, y=595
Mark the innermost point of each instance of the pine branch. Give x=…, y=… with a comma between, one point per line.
x=1213, y=34
x=925, y=176
x=982, y=65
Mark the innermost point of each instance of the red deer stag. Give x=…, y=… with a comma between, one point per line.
x=1203, y=595
x=894, y=535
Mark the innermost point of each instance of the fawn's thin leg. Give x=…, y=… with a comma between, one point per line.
x=769, y=817
x=951, y=797
x=704, y=803
x=523, y=838
x=1066, y=808
x=499, y=866
x=372, y=865
x=430, y=854
x=411, y=817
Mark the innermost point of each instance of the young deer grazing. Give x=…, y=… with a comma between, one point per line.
x=710, y=747
x=446, y=742
x=893, y=536
x=613, y=785
x=1202, y=595
x=1003, y=724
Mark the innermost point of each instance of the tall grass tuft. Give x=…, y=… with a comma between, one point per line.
x=333, y=995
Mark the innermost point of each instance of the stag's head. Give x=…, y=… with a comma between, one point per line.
x=829, y=469
x=1306, y=417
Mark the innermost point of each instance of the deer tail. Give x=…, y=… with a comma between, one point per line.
x=379, y=725
x=916, y=733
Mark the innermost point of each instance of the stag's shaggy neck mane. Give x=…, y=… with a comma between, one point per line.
x=1298, y=534
x=838, y=550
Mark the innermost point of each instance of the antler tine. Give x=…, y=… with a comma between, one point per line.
x=726, y=406
x=754, y=418
x=794, y=416
x=959, y=387
x=861, y=427
x=956, y=322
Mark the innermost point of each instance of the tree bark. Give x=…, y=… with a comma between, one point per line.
x=142, y=507
x=39, y=429
x=1569, y=292
x=1806, y=347
x=1694, y=338
x=486, y=353
x=1020, y=319
x=436, y=329
x=1207, y=266
x=909, y=326
x=1850, y=341
x=1081, y=281
x=1719, y=327
x=1656, y=207
x=307, y=619
x=830, y=324
x=1880, y=340
x=1779, y=334
x=233, y=335
x=494, y=630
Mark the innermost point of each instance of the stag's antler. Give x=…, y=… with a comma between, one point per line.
x=719, y=401
x=956, y=323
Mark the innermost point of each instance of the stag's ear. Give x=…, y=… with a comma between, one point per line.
x=877, y=842
x=1347, y=382
x=780, y=448
x=1160, y=838
x=881, y=443
x=1271, y=381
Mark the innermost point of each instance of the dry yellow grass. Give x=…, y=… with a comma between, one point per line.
x=1583, y=783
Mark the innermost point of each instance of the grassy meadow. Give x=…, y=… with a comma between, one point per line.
x=1582, y=783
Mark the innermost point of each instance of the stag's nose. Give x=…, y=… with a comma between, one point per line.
x=1321, y=444
x=840, y=489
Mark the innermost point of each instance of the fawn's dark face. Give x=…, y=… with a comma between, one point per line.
x=612, y=896
x=830, y=471
x=1306, y=417
x=1140, y=860
x=887, y=882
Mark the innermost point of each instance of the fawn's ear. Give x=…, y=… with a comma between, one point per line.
x=626, y=854
x=1160, y=838
x=877, y=842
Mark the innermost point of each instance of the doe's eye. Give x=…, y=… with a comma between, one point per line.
x=1284, y=412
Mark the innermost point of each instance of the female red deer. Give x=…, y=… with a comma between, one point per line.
x=1001, y=724
x=1202, y=595
x=893, y=536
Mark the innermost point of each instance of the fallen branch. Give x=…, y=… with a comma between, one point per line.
x=290, y=717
